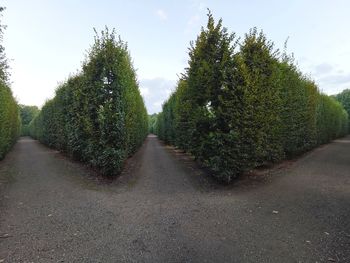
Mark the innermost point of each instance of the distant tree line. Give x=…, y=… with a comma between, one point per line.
x=242, y=104
x=9, y=114
x=98, y=115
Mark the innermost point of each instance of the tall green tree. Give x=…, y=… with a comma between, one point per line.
x=262, y=125
x=235, y=110
x=209, y=63
x=97, y=116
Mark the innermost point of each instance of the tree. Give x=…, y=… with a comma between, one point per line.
x=209, y=63
x=237, y=110
x=261, y=103
x=97, y=116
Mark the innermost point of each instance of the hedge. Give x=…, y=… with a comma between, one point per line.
x=344, y=99
x=9, y=119
x=9, y=116
x=152, y=123
x=97, y=116
x=242, y=104
x=27, y=114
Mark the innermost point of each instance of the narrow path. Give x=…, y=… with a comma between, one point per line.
x=165, y=209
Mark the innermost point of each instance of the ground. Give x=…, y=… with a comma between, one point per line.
x=164, y=208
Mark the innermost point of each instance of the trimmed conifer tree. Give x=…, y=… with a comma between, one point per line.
x=237, y=110
x=97, y=116
x=262, y=126
x=210, y=58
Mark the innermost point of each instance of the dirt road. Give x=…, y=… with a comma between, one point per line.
x=165, y=209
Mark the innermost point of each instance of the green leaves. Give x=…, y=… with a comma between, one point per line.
x=332, y=119
x=97, y=116
x=27, y=114
x=9, y=119
x=10, y=122
x=152, y=123
x=344, y=99
x=239, y=109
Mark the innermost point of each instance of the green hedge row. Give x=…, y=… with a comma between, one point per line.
x=9, y=119
x=9, y=116
x=27, y=114
x=344, y=99
x=97, y=116
x=152, y=123
x=240, y=105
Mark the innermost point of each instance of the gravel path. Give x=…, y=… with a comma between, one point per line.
x=166, y=209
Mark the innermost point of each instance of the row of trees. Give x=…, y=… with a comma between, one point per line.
x=9, y=116
x=97, y=116
x=241, y=104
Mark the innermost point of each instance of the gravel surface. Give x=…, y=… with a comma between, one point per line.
x=164, y=208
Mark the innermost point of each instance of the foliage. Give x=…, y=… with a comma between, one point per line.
x=261, y=122
x=241, y=104
x=332, y=119
x=298, y=112
x=152, y=122
x=9, y=116
x=27, y=114
x=97, y=116
x=344, y=99
x=9, y=119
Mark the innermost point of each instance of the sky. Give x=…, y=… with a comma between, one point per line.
x=46, y=41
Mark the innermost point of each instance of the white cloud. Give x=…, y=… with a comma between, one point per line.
x=323, y=68
x=157, y=104
x=144, y=91
x=334, y=83
x=339, y=79
x=193, y=20
x=330, y=77
x=162, y=14
x=158, y=90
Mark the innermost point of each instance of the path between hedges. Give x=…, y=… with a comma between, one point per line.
x=165, y=209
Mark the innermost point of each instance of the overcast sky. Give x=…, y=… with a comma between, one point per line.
x=47, y=40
